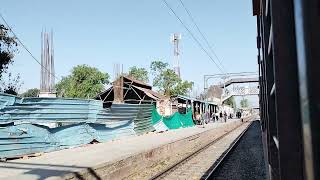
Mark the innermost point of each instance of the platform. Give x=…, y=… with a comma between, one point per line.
x=94, y=159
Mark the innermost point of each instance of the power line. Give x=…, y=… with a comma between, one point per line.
x=202, y=35
x=20, y=42
x=194, y=38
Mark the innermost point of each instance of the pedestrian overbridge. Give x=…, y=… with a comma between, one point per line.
x=242, y=91
x=240, y=80
x=240, y=87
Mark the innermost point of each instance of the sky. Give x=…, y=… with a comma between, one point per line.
x=101, y=33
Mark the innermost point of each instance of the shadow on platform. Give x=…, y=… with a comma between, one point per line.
x=43, y=171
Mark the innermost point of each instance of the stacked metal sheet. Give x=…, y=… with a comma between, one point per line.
x=25, y=123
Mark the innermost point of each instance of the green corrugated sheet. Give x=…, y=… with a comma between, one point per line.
x=174, y=121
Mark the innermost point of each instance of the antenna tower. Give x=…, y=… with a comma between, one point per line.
x=175, y=39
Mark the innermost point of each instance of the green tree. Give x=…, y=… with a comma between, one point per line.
x=231, y=102
x=158, y=67
x=244, y=103
x=84, y=82
x=8, y=46
x=182, y=88
x=167, y=81
x=138, y=73
x=34, y=92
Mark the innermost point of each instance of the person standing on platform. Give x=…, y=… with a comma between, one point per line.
x=213, y=117
x=203, y=119
x=225, y=116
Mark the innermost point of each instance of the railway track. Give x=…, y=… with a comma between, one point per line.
x=198, y=165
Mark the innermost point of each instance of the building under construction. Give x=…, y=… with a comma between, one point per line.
x=47, y=80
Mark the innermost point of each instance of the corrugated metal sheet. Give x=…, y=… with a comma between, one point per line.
x=7, y=99
x=25, y=139
x=30, y=138
x=39, y=110
x=143, y=121
x=160, y=126
x=87, y=120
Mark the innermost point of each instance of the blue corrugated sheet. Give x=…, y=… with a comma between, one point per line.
x=84, y=121
x=39, y=110
x=7, y=100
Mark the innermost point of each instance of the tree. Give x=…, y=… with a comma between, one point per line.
x=214, y=91
x=167, y=81
x=158, y=67
x=244, y=103
x=138, y=73
x=182, y=88
x=8, y=46
x=34, y=92
x=231, y=102
x=84, y=82
x=11, y=85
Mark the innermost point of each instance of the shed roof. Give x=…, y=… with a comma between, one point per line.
x=136, y=81
x=150, y=93
x=128, y=83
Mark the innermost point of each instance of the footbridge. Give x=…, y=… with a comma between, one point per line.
x=242, y=91
x=240, y=87
x=240, y=80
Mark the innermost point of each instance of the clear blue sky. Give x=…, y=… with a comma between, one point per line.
x=132, y=32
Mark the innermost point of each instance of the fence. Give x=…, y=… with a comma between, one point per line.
x=31, y=125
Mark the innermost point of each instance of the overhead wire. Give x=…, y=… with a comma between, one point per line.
x=193, y=37
x=22, y=44
x=202, y=35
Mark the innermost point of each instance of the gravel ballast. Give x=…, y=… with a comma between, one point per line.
x=246, y=161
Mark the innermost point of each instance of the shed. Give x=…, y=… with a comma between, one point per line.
x=128, y=90
x=199, y=107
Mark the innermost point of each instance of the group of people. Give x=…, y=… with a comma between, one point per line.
x=221, y=116
x=238, y=114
